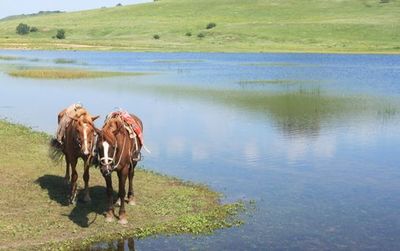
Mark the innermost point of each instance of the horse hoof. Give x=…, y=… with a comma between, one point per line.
x=132, y=202
x=109, y=219
x=123, y=221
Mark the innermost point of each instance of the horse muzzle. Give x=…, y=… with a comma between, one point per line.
x=106, y=166
x=105, y=170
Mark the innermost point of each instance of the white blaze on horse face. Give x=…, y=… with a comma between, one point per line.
x=86, y=152
x=105, y=147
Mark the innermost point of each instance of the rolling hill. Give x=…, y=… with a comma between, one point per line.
x=241, y=26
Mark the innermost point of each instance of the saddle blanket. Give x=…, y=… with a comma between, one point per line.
x=128, y=119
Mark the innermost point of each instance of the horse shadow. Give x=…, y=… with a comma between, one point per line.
x=58, y=192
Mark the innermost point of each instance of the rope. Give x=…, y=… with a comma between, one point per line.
x=120, y=155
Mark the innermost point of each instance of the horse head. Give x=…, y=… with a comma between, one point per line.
x=86, y=134
x=109, y=141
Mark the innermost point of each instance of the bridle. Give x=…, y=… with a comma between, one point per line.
x=92, y=148
x=110, y=162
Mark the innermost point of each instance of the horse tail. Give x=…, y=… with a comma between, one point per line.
x=55, y=151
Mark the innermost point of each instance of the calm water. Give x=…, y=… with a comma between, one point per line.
x=312, y=139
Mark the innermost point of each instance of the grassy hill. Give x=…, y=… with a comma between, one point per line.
x=241, y=25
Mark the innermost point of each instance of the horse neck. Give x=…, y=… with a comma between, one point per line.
x=122, y=138
x=72, y=129
x=124, y=145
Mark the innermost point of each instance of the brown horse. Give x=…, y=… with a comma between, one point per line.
x=119, y=148
x=79, y=142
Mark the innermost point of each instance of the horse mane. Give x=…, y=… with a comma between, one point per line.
x=83, y=115
x=110, y=128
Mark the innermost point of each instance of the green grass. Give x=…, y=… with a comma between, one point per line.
x=34, y=213
x=66, y=73
x=242, y=25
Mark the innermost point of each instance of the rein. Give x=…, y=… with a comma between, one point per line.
x=120, y=156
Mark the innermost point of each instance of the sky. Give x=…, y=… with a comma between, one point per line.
x=16, y=7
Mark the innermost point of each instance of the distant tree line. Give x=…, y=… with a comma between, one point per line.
x=40, y=13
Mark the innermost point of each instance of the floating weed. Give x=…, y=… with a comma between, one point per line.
x=10, y=58
x=177, y=61
x=64, y=61
x=388, y=112
x=275, y=82
x=67, y=73
x=277, y=64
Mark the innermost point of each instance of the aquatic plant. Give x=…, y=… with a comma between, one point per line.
x=67, y=73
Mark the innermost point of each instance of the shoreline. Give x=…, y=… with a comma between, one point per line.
x=116, y=49
x=34, y=213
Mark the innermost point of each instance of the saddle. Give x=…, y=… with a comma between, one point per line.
x=133, y=128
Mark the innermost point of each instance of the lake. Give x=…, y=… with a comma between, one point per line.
x=310, y=141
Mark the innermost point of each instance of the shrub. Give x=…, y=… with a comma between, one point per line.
x=119, y=5
x=156, y=36
x=60, y=34
x=34, y=29
x=188, y=34
x=22, y=29
x=201, y=35
x=210, y=26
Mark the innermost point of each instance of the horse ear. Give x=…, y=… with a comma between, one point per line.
x=95, y=117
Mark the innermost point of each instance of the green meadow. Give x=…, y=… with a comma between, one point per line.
x=34, y=213
x=355, y=26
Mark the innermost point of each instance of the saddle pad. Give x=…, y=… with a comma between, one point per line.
x=128, y=119
x=134, y=124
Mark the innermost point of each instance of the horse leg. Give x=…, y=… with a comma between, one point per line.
x=122, y=175
x=74, y=178
x=110, y=210
x=86, y=197
x=67, y=171
x=131, y=195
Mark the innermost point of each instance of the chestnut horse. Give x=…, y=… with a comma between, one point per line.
x=119, y=148
x=79, y=142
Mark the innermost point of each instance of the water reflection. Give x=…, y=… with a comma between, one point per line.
x=120, y=245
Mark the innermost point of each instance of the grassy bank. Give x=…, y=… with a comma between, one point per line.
x=66, y=73
x=241, y=26
x=34, y=213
